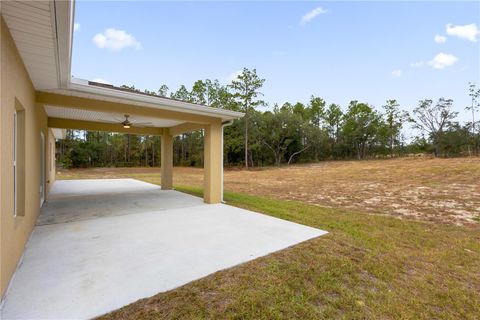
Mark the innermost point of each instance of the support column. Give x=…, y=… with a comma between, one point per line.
x=167, y=160
x=213, y=166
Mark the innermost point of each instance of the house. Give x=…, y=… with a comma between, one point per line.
x=39, y=99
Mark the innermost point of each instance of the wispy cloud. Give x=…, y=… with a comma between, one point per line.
x=417, y=64
x=443, y=60
x=397, y=73
x=309, y=16
x=468, y=32
x=439, y=39
x=115, y=40
x=76, y=26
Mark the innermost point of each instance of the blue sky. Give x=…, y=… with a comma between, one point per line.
x=340, y=51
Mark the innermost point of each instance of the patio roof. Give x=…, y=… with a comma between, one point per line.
x=85, y=89
x=98, y=108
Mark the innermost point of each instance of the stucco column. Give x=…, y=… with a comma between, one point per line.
x=212, y=191
x=167, y=161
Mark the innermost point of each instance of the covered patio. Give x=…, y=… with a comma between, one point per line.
x=101, y=244
x=87, y=105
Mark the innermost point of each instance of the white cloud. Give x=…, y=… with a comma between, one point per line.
x=468, y=32
x=397, y=73
x=115, y=40
x=76, y=27
x=100, y=80
x=440, y=39
x=417, y=64
x=309, y=16
x=442, y=60
x=234, y=75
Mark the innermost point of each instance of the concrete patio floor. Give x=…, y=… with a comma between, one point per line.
x=102, y=244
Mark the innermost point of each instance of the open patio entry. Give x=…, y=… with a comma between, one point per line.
x=98, y=107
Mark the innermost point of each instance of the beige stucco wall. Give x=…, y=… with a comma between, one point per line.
x=17, y=88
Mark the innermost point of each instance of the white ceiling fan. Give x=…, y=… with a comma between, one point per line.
x=127, y=124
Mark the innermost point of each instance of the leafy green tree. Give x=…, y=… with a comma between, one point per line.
x=219, y=96
x=310, y=144
x=394, y=121
x=474, y=107
x=300, y=110
x=199, y=92
x=163, y=90
x=454, y=140
x=233, y=143
x=283, y=127
x=360, y=126
x=132, y=88
x=225, y=100
x=333, y=118
x=433, y=119
x=246, y=91
x=181, y=94
x=316, y=110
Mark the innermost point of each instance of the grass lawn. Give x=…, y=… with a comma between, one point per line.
x=368, y=266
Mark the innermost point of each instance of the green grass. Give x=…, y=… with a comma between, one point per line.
x=368, y=266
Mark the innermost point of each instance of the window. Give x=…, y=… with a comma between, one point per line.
x=50, y=162
x=18, y=158
x=15, y=147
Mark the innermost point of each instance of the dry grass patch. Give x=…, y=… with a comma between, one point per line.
x=440, y=190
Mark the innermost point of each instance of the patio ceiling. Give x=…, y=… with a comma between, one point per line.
x=107, y=117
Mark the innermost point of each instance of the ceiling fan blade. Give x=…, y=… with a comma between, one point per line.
x=142, y=123
x=107, y=121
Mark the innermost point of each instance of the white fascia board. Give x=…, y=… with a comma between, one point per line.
x=82, y=86
x=62, y=13
x=64, y=17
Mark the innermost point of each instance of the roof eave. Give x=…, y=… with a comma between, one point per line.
x=82, y=86
x=63, y=17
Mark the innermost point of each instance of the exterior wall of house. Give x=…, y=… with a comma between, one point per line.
x=17, y=95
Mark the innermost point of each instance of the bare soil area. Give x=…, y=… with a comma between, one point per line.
x=439, y=190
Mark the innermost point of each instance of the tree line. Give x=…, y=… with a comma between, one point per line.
x=287, y=133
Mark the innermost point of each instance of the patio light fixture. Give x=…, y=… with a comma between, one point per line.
x=126, y=124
